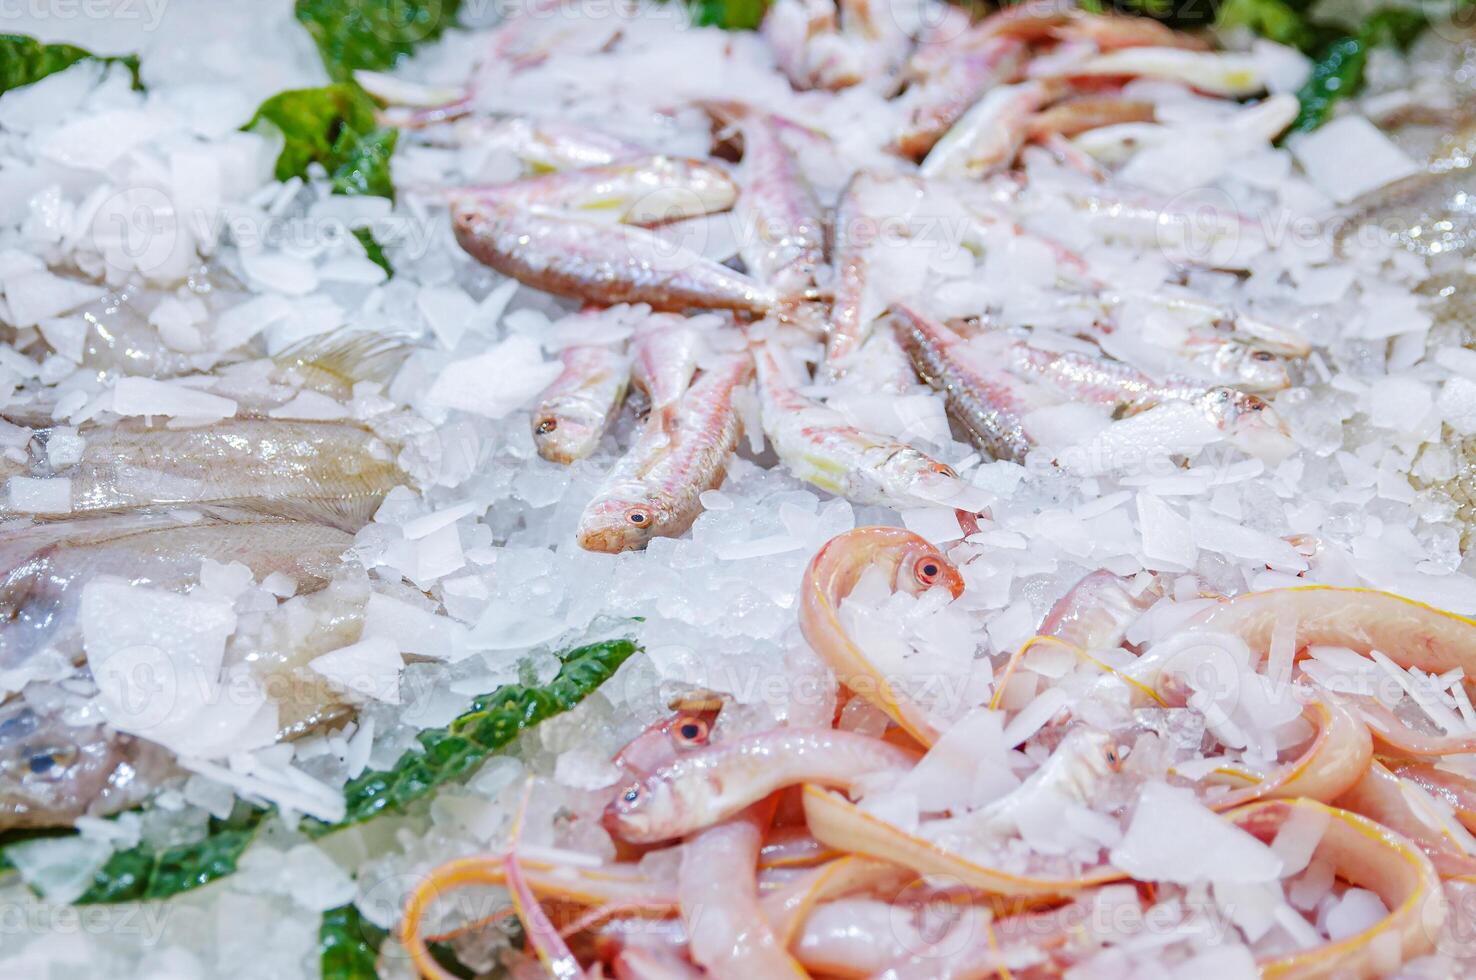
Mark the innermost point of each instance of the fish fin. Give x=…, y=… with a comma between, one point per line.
x=334, y=362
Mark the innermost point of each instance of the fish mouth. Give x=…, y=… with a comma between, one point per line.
x=1263, y=435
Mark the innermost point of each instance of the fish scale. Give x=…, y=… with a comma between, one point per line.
x=989, y=408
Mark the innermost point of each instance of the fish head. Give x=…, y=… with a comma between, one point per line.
x=921, y=479
x=614, y=525
x=644, y=811
x=1254, y=428
x=663, y=741
x=560, y=438
x=1252, y=368
x=51, y=772
x=1091, y=755
x=921, y=566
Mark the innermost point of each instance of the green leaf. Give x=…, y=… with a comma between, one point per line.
x=731, y=15
x=372, y=250
x=1335, y=76
x=333, y=126
x=491, y=722
x=372, y=34
x=25, y=60
x=347, y=945
x=144, y=872
x=1275, y=20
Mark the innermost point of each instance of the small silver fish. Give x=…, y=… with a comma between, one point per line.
x=988, y=405
x=783, y=244
x=665, y=353
x=818, y=446
x=601, y=263
x=953, y=79
x=574, y=412
x=650, y=190
x=680, y=452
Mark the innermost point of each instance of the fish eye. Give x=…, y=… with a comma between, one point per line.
x=45, y=761
x=692, y=731
x=631, y=795
x=1263, y=356
x=545, y=426
x=927, y=569
x=638, y=517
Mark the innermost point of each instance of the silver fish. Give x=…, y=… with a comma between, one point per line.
x=43, y=566
x=817, y=445
x=952, y=80
x=665, y=353
x=783, y=243
x=680, y=452
x=574, y=412
x=331, y=472
x=650, y=190
x=988, y=405
x=601, y=263
x=52, y=772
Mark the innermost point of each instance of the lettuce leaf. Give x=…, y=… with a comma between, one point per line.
x=372, y=34
x=25, y=60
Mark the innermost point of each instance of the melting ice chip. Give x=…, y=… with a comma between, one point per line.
x=1174, y=838
x=496, y=382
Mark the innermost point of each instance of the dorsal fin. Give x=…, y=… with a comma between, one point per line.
x=333, y=363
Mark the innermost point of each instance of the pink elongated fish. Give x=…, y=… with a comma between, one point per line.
x=653, y=490
x=817, y=445
x=955, y=84
x=783, y=224
x=989, y=404
x=665, y=353
x=858, y=225
x=544, y=144
x=989, y=134
x=600, y=263
x=574, y=412
x=647, y=190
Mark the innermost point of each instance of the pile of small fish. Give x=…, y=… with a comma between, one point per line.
x=586, y=226
x=152, y=507
x=1167, y=774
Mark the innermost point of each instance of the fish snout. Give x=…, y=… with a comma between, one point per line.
x=614, y=526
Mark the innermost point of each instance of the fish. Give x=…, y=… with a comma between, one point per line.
x=647, y=191
x=52, y=772
x=332, y=472
x=707, y=785
x=1075, y=771
x=989, y=405
x=853, y=240
x=601, y=263
x=1232, y=75
x=665, y=350
x=574, y=412
x=1246, y=419
x=816, y=445
x=1097, y=611
x=989, y=134
x=1431, y=213
x=653, y=490
x=789, y=27
x=44, y=565
x=951, y=80
x=1088, y=112
x=54, y=769
x=546, y=144
x=783, y=242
